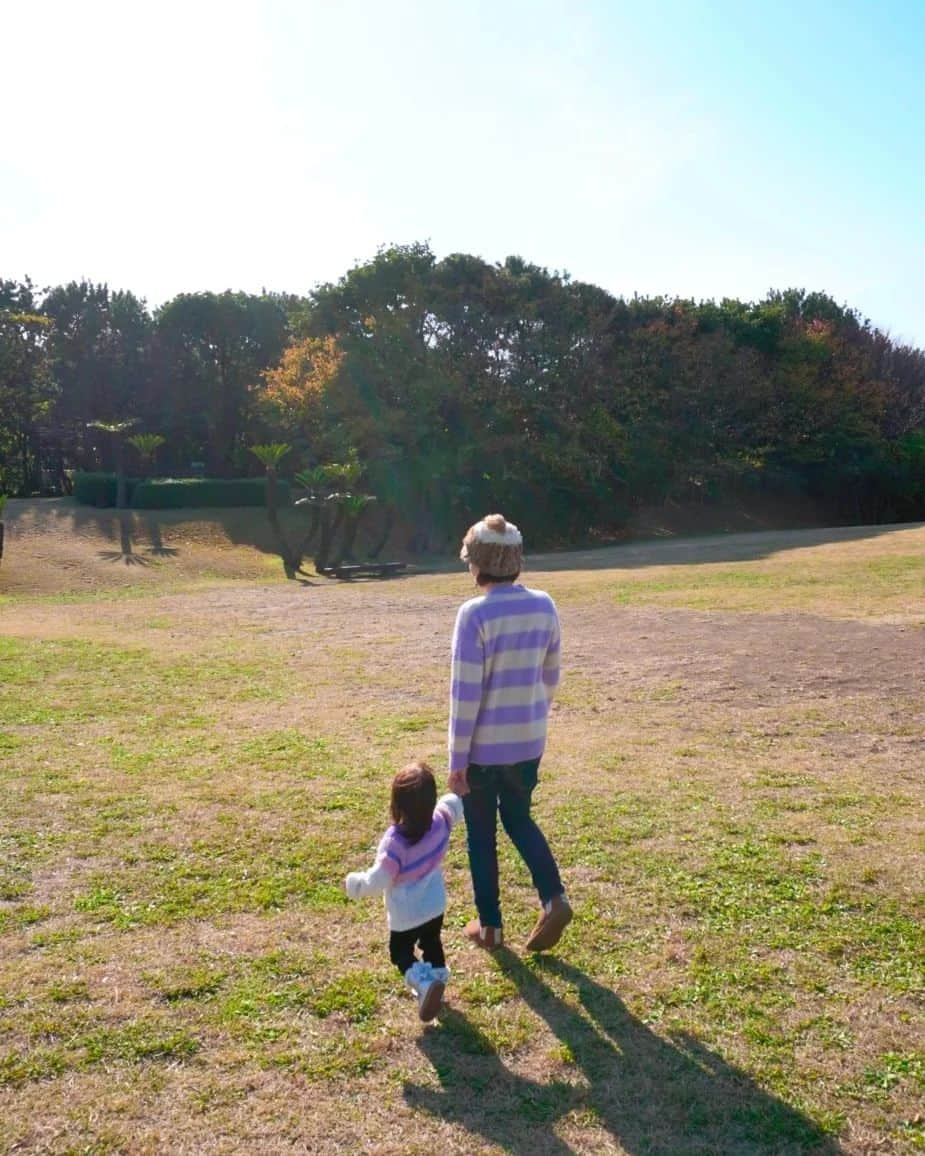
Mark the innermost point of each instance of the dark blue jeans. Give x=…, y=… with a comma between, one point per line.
x=505, y=790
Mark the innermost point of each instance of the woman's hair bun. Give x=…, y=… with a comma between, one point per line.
x=495, y=522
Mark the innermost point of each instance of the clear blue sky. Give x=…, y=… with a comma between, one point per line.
x=701, y=149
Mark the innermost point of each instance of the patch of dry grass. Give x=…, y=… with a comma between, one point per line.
x=734, y=791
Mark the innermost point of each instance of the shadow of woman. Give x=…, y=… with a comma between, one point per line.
x=661, y=1097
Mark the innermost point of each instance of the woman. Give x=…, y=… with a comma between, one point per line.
x=505, y=670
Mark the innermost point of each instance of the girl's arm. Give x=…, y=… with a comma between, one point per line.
x=452, y=805
x=380, y=876
x=372, y=882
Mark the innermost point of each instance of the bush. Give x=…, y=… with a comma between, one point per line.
x=182, y=493
x=98, y=489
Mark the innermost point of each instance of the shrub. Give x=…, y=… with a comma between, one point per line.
x=182, y=493
x=99, y=489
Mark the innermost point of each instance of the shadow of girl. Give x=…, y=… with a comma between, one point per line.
x=485, y=1097
x=661, y=1097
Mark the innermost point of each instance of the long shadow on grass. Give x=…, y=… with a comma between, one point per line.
x=125, y=553
x=661, y=1097
x=693, y=549
x=484, y=1096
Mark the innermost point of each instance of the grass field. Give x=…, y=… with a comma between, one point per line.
x=190, y=763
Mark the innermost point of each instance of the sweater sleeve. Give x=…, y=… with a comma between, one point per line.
x=467, y=673
x=452, y=807
x=380, y=876
x=372, y=882
x=551, y=667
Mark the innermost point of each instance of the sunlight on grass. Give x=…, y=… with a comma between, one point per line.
x=817, y=584
x=744, y=968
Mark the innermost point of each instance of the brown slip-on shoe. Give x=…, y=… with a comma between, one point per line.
x=487, y=937
x=432, y=1000
x=550, y=925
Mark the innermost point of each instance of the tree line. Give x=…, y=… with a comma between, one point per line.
x=453, y=385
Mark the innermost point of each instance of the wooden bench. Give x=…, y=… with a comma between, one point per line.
x=364, y=569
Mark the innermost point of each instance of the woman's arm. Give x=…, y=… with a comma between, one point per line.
x=467, y=673
x=551, y=662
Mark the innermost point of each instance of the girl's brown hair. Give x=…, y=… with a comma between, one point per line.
x=414, y=796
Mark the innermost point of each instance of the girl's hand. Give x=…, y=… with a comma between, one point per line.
x=354, y=883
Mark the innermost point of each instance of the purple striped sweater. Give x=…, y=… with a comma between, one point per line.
x=505, y=672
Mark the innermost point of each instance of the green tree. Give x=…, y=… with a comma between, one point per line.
x=27, y=391
x=99, y=352
x=461, y=384
x=212, y=351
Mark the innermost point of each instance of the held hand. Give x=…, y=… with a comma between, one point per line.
x=459, y=783
x=353, y=883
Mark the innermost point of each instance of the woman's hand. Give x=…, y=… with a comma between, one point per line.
x=459, y=783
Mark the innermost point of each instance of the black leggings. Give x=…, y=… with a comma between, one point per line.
x=402, y=944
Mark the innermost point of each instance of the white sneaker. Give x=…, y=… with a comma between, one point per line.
x=428, y=987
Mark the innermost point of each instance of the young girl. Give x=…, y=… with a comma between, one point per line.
x=408, y=869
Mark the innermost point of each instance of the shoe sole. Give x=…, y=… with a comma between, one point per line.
x=550, y=931
x=432, y=1001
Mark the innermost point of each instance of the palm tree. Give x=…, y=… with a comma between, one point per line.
x=330, y=507
x=332, y=514
x=117, y=429
x=353, y=506
x=326, y=509
x=271, y=454
x=147, y=445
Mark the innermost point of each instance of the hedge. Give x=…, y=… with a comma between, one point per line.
x=181, y=493
x=98, y=489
